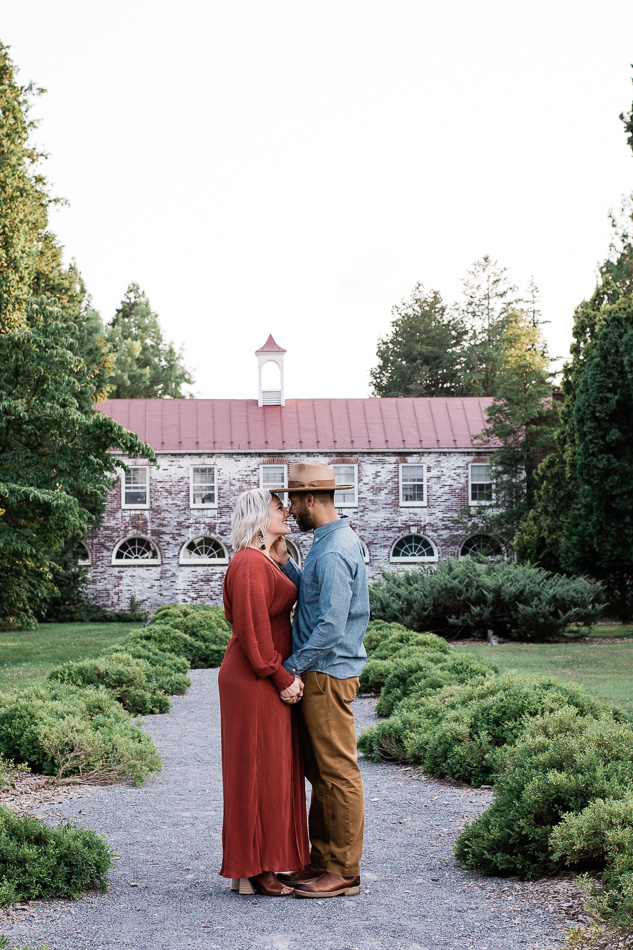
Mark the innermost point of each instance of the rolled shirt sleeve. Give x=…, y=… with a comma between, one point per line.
x=335, y=576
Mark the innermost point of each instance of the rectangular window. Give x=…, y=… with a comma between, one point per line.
x=135, y=488
x=479, y=483
x=346, y=475
x=203, y=493
x=412, y=484
x=271, y=475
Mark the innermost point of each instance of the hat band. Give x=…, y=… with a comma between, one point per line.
x=318, y=483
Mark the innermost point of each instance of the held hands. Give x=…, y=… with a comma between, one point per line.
x=293, y=693
x=279, y=551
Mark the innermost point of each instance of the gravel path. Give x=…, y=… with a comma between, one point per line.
x=165, y=892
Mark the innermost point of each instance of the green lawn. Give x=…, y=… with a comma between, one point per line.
x=617, y=631
x=26, y=656
x=604, y=669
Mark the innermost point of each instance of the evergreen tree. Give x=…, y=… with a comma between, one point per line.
x=422, y=356
x=145, y=365
x=488, y=300
x=598, y=537
x=521, y=421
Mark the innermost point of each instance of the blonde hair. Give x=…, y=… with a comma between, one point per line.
x=250, y=515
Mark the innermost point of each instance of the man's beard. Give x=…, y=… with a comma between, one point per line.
x=302, y=518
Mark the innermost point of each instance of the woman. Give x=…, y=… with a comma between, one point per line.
x=264, y=826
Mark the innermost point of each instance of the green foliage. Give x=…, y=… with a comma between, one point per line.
x=599, y=534
x=561, y=761
x=132, y=681
x=423, y=354
x=468, y=598
x=145, y=365
x=602, y=835
x=56, y=461
x=64, y=730
x=564, y=762
x=42, y=862
x=200, y=633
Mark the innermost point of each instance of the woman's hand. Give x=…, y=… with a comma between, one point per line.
x=292, y=693
x=279, y=551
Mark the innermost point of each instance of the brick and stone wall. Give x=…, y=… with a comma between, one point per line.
x=170, y=522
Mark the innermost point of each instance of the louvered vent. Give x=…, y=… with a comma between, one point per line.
x=271, y=397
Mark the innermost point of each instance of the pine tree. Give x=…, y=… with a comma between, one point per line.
x=422, y=356
x=145, y=365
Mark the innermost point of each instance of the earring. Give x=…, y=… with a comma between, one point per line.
x=262, y=538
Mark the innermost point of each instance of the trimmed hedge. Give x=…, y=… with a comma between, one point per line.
x=561, y=762
x=466, y=598
x=42, y=862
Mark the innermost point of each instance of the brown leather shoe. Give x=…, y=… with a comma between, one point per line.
x=265, y=884
x=309, y=873
x=329, y=885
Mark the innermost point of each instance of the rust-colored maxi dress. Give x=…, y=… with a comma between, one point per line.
x=265, y=826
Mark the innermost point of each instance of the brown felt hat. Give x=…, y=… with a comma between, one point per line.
x=310, y=476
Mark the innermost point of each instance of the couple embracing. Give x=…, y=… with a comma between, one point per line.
x=286, y=693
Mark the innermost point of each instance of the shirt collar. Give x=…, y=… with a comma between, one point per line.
x=342, y=522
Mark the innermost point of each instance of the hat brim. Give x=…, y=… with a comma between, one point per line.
x=281, y=488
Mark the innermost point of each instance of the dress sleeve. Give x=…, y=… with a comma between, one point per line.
x=253, y=591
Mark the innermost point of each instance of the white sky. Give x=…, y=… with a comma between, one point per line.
x=296, y=167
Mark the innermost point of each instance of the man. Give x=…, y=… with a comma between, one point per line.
x=327, y=639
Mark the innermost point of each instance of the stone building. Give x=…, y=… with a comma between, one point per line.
x=165, y=535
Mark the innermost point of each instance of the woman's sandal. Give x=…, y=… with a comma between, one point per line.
x=267, y=888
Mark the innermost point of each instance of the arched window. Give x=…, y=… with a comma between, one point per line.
x=293, y=552
x=481, y=545
x=136, y=551
x=412, y=548
x=204, y=550
x=365, y=551
x=82, y=555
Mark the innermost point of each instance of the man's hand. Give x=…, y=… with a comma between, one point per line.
x=279, y=552
x=292, y=693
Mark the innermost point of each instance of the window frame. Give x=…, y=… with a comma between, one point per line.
x=412, y=504
x=484, y=501
x=135, y=562
x=346, y=504
x=211, y=504
x=136, y=468
x=487, y=557
x=414, y=560
x=297, y=560
x=203, y=562
x=267, y=466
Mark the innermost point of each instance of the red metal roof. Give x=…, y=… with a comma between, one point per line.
x=225, y=425
x=270, y=346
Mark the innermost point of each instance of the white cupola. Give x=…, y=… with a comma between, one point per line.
x=270, y=365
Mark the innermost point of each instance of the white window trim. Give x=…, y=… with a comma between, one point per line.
x=133, y=562
x=348, y=504
x=268, y=467
x=412, y=504
x=213, y=504
x=298, y=558
x=199, y=561
x=475, y=504
x=145, y=468
x=414, y=560
x=365, y=551
x=87, y=560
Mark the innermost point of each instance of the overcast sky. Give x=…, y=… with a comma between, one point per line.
x=294, y=167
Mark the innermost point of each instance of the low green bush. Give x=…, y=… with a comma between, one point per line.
x=467, y=598
x=169, y=669
x=64, y=730
x=387, y=644
x=564, y=762
x=130, y=680
x=205, y=626
x=38, y=861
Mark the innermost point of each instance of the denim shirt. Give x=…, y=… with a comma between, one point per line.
x=333, y=608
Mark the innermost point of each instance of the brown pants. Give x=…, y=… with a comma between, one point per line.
x=337, y=812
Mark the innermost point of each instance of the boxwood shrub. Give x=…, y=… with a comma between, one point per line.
x=130, y=680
